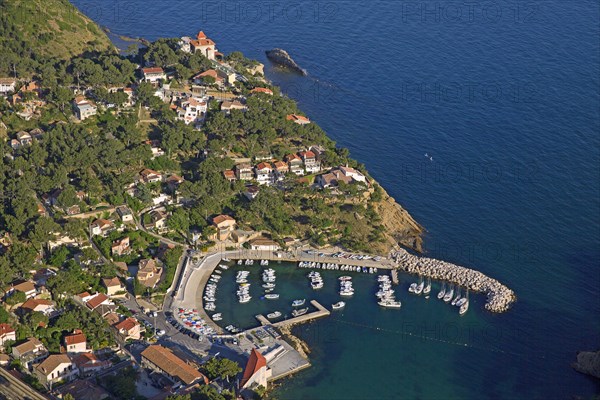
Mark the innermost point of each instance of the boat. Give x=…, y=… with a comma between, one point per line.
x=339, y=305
x=390, y=304
x=225, y=259
x=427, y=288
x=271, y=296
x=298, y=303
x=449, y=294
x=317, y=285
x=464, y=308
x=240, y=262
x=412, y=288
x=456, y=298
x=217, y=317
x=297, y=313
x=345, y=278
x=442, y=292
x=223, y=266
x=273, y=315
x=347, y=292
x=268, y=285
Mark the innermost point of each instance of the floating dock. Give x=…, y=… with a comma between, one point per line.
x=321, y=312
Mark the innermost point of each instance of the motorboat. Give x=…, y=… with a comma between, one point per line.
x=449, y=294
x=427, y=287
x=271, y=296
x=298, y=303
x=317, y=285
x=268, y=285
x=390, y=303
x=297, y=313
x=420, y=287
x=456, y=298
x=273, y=315
x=442, y=292
x=338, y=306
x=464, y=308
x=217, y=317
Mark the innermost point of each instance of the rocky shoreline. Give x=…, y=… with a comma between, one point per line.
x=499, y=297
x=588, y=362
x=283, y=59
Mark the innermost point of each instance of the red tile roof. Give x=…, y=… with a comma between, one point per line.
x=127, y=324
x=262, y=90
x=31, y=304
x=75, y=338
x=222, y=218
x=5, y=329
x=264, y=165
x=174, y=366
x=153, y=70
x=97, y=300
x=255, y=362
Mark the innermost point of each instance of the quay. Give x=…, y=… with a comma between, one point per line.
x=321, y=312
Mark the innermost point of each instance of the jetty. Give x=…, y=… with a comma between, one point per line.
x=321, y=312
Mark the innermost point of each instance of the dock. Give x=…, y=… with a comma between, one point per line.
x=321, y=312
x=395, y=279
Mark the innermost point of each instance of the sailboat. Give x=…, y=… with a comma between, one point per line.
x=419, y=288
x=427, y=288
x=462, y=301
x=449, y=294
x=442, y=291
x=456, y=298
x=465, y=307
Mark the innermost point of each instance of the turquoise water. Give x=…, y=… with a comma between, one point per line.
x=506, y=100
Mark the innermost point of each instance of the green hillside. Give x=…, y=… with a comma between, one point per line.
x=34, y=30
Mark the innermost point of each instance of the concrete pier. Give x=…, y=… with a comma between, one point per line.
x=321, y=312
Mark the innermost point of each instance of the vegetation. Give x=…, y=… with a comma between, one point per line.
x=220, y=368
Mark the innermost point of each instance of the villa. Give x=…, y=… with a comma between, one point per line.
x=192, y=111
x=250, y=192
x=102, y=227
x=150, y=176
x=7, y=85
x=205, y=45
x=262, y=90
x=125, y=214
x=55, y=368
x=129, y=328
x=45, y=307
x=30, y=352
x=153, y=75
x=120, y=246
x=7, y=333
x=264, y=173
x=84, y=108
x=213, y=75
x=227, y=106
x=244, y=172
x=225, y=225
x=298, y=119
x=113, y=286
x=76, y=342
x=264, y=244
x=149, y=272
x=310, y=162
x=295, y=163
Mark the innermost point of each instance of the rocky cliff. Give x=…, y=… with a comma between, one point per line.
x=283, y=59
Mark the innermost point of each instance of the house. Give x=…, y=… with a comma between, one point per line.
x=155, y=148
x=113, y=286
x=298, y=119
x=102, y=227
x=295, y=163
x=256, y=372
x=353, y=173
x=262, y=90
x=225, y=225
x=125, y=214
x=150, y=176
x=332, y=178
x=163, y=248
x=46, y=307
x=200, y=79
x=310, y=162
x=158, y=220
x=164, y=361
x=264, y=173
x=281, y=168
x=251, y=192
x=153, y=75
x=162, y=198
x=84, y=108
x=192, y=111
x=7, y=333
x=240, y=236
x=88, y=364
x=120, y=247
x=98, y=300
x=82, y=389
x=24, y=138
x=173, y=182
x=229, y=175
x=244, y=172
x=55, y=368
x=129, y=328
x=149, y=272
x=42, y=275
x=7, y=85
x=76, y=342
x=85, y=297
x=228, y=105
x=204, y=45
x=26, y=287
x=264, y=244
x=30, y=352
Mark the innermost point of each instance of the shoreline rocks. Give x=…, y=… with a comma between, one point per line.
x=588, y=362
x=283, y=59
x=499, y=297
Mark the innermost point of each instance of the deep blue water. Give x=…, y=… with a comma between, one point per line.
x=505, y=97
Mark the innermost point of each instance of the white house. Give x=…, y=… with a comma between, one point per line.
x=264, y=244
x=192, y=111
x=205, y=45
x=55, y=368
x=84, y=108
x=153, y=75
x=264, y=173
x=7, y=333
x=7, y=85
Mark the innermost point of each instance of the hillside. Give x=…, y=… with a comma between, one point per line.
x=31, y=30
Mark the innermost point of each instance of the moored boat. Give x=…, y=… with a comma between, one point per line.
x=339, y=305
x=449, y=294
x=390, y=304
x=273, y=315
x=297, y=313
x=442, y=291
x=298, y=303
x=271, y=296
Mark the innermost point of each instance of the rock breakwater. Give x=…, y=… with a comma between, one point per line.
x=499, y=297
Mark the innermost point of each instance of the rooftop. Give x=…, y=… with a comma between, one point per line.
x=174, y=366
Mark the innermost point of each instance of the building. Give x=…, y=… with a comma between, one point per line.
x=298, y=119
x=204, y=45
x=149, y=272
x=113, y=286
x=229, y=174
x=158, y=220
x=295, y=163
x=30, y=352
x=76, y=342
x=88, y=364
x=84, y=108
x=264, y=244
x=228, y=105
x=129, y=328
x=24, y=138
x=120, y=246
x=225, y=225
x=264, y=173
x=173, y=182
x=153, y=75
x=251, y=192
x=26, y=287
x=192, y=111
x=212, y=75
x=98, y=300
x=164, y=361
x=311, y=165
x=46, y=307
x=347, y=175
x=55, y=368
x=102, y=227
x=354, y=174
x=7, y=85
x=262, y=90
x=281, y=168
x=125, y=214
x=256, y=372
x=150, y=176
x=82, y=389
x=244, y=172
x=7, y=334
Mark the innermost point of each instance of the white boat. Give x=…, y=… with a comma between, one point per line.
x=272, y=296
x=412, y=288
x=345, y=278
x=339, y=305
x=449, y=294
x=244, y=298
x=298, y=303
x=268, y=285
x=225, y=259
x=456, y=298
x=464, y=308
x=420, y=287
x=347, y=292
x=270, y=290
x=217, y=317
x=273, y=315
x=297, y=313
x=240, y=262
x=223, y=266
x=461, y=302
x=442, y=291
x=316, y=285
x=390, y=303
x=427, y=288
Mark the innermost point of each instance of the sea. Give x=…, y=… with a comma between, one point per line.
x=482, y=120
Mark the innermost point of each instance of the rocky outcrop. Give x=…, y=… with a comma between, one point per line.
x=283, y=59
x=588, y=362
x=499, y=297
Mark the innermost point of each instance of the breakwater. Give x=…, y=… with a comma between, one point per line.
x=499, y=296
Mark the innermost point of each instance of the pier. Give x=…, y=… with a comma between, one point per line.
x=321, y=312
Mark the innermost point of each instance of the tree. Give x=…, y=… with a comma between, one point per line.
x=221, y=368
x=16, y=298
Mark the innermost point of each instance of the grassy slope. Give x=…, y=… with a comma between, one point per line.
x=55, y=28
